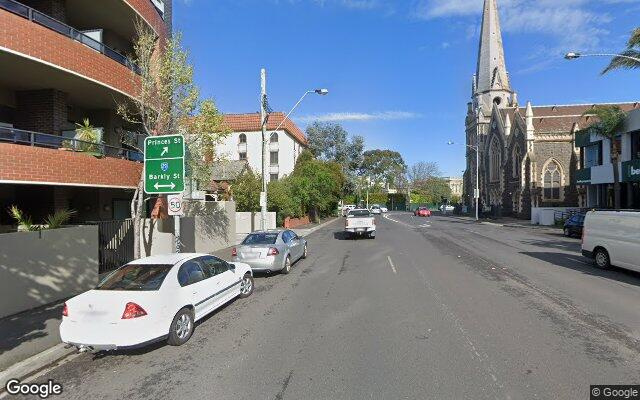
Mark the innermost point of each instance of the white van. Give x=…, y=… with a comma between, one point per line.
x=612, y=238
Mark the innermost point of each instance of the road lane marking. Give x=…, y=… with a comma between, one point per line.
x=393, y=267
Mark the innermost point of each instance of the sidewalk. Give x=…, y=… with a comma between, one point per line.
x=308, y=229
x=509, y=223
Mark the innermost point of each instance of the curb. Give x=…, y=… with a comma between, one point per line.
x=34, y=364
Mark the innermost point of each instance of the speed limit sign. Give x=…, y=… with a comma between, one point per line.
x=175, y=204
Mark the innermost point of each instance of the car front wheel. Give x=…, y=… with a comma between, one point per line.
x=181, y=328
x=567, y=232
x=602, y=258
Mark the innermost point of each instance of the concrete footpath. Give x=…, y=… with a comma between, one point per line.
x=508, y=222
x=30, y=341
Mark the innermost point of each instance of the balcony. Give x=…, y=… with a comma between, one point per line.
x=28, y=138
x=64, y=29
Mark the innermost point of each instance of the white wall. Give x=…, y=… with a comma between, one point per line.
x=247, y=222
x=38, y=268
x=288, y=150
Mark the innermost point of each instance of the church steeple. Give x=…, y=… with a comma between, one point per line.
x=492, y=81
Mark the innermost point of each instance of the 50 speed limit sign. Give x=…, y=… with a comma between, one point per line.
x=175, y=204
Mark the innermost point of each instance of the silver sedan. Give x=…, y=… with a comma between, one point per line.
x=271, y=251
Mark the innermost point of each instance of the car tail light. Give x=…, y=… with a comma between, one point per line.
x=234, y=252
x=132, y=310
x=273, y=251
x=65, y=310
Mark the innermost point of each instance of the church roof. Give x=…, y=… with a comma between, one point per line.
x=561, y=118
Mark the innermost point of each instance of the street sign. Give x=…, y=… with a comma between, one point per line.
x=164, y=164
x=175, y=204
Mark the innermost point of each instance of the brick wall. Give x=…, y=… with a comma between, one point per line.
x=26, y=163
x=26, y=37
x=148, y=11
x=290, y=223
x=41, y=110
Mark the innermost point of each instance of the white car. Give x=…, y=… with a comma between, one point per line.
x=346, y=208
x=447, y=208
x=612, y=238
x=375, y=209
x=152, y=299
x=384, y=209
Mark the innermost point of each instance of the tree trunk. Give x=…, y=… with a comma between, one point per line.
x=136, y=213
x=616, y=183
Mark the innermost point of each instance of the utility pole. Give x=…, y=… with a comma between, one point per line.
x=263, y=122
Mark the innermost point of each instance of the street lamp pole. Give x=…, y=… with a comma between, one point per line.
x=573, y=55
x=267, y=138
x=476, y=191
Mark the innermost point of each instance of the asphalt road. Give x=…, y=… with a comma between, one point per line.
x=436, y=308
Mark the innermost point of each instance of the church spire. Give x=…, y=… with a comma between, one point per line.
x=492, y=71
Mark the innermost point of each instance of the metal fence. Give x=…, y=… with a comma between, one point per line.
x=64, y=29
x=115, y=241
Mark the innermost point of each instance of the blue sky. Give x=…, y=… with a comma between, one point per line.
x=399, y=72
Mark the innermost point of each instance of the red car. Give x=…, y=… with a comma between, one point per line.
x=422, y=212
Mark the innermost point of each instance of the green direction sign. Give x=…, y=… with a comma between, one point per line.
x=164, y=164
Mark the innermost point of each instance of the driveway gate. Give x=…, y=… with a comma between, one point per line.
x=115, y=240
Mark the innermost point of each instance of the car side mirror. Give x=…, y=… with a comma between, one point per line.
x=232, y=267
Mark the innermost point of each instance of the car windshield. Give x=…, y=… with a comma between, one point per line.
x=359, y=213
x=261, y=238
x=135, y=277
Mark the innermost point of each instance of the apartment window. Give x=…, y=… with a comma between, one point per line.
x=592, y=155
x=274, y=158
x=243, y=156
x=242, y=138
x=273, y=177
x=552, y=181
x=274, y=137
x=635, y=145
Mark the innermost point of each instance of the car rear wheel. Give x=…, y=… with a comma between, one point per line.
x=602, y=258
x=287, y=265
x=181, y=328
x=246, y=285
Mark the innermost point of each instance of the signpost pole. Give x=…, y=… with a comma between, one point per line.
x=263, y=117
x=176, y=233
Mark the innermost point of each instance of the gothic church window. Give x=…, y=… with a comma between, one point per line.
x=495, y=161
x=517, y=162
x=551, y=181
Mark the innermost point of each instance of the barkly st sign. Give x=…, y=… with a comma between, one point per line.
x=164, y=164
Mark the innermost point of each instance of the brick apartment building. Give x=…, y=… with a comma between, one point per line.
x=62, y=61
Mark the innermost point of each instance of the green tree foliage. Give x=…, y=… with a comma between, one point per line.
x=423, y=170
x=430, y=191
x=632, y=50
x=384, y=166
x=246, y=191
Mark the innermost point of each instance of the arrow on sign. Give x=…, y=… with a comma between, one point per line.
x=158, y=186
x=165, y=150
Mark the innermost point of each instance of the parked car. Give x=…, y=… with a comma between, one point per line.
x=375, y=209
x=360, y=222
x=422, y=212
x=271, y=251
x=346, y=208
x=612, y=238
x=152, y=299
x=573, y=225
x=447, y=208
x=384, y=209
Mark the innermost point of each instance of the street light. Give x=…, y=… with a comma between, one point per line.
x=572, y=55
x=476, y=192
x=265, y=142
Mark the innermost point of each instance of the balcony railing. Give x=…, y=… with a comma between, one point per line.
x=64, y=29
x=18, y=136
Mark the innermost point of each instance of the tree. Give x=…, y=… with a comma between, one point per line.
x=329, y=142
x=383, y=166
x=611, y=123
x=246, y=191
x=431, y=190
x=168, y=102
x=423, y=170
x=632, y=50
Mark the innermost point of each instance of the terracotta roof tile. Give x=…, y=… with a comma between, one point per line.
x=251, y=123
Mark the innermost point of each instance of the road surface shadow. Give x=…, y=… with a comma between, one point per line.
x=576, y=263
x=341, y=235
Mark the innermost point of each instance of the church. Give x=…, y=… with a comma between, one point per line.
x=527, y=154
